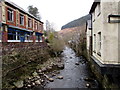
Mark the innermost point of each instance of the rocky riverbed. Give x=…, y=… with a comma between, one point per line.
x=76, y=73
x=69, y=71
x=42, y=75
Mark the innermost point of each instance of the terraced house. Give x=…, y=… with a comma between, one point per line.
x=17, y=25
x=105, y=37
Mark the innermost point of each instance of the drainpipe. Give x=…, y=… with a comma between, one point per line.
x=91, y=35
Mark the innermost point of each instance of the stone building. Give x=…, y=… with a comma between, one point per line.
x=105, y=56
x=17, y=25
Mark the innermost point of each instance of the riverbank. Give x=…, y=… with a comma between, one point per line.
x=43, y=74
x=20, y=61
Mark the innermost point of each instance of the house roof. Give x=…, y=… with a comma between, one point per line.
x=21, y=9
x=94, y=5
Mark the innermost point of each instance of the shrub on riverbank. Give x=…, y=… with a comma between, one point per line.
x=56, y=44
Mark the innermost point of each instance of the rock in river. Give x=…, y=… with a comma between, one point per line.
x=61, y=66
x=88, y=85
x=60, y=77
x=76, y=63
x=51, y=79
x=37, y=82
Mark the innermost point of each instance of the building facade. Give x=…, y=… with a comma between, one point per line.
x=17, y=25
x=89, y=37
x=105, y=32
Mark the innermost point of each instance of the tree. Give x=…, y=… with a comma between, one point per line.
x=50, y=27
x=34, y=11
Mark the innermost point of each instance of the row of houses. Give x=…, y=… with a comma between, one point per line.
x=103, y=39
x=17, y=25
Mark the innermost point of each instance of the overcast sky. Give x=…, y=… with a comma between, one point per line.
x=58, y=12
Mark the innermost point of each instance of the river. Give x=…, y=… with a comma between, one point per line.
x=74, y=75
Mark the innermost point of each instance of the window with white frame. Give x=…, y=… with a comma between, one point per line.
x=94, y=43
x=21, y=19
x=10, y=15
x=99, y=42
x=29, y=23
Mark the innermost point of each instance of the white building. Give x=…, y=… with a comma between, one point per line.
x=105, y=56
x=105, y=32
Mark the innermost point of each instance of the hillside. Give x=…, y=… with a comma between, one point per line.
x=77, y=22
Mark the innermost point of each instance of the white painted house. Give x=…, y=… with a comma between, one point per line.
x=105, y=31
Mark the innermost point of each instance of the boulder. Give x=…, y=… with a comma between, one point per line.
x=76, y=63
x=53, y=74
x=29, y=85
x=61, y=66
x=44, y=69
x=35, y=74
x=60, y=77
x=39, y=71
x=88, y=85
x=51, y=79
x=33, y=84
x=42, y=81
x=37, y=82
x=19, y=84
x=49, y=68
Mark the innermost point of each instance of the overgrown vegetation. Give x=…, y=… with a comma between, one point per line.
x=76, y=39
x=55, y=42
x=18, y=64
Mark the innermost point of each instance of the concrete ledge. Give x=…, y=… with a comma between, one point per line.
x=109, y=69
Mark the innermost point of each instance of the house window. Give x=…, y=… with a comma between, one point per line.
x=94, y=43
x=39, y=38
x=99, y=43
x=21, y=19
x=10, y=15
x=11, y=35
x=29, y=23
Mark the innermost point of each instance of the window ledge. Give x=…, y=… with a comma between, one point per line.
x=10, y=21
x=28, y=40
x=94, y=51
x=99, y=53
x=13, y=40
x=99, y=14
x=94, y=20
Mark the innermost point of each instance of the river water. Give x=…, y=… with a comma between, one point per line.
x=73, y=75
